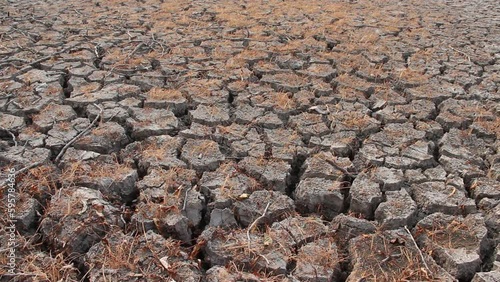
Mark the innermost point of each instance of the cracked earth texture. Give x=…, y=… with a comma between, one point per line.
x=250, y=140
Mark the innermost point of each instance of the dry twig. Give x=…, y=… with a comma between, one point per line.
x=63, y=150
x=255, y=223
x=11, y=134
x=419, y=251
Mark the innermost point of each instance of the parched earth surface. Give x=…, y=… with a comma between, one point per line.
x=251, y=140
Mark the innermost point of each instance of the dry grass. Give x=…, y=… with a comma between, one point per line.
x=454, y=235
x=39, y=182
x=93, y=169
x=157, y=93
x=491, y=126
x=158, y=150
x=381, y=258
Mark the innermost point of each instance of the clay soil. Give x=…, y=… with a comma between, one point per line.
x=203, y=140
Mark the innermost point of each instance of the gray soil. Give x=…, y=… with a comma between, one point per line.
x=273, y=140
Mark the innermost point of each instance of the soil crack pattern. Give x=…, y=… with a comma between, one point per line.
x=219, y=140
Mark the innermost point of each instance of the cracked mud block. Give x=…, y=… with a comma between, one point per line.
x=397, y=146
x=159, y=183
x=287, y=82
x=349, y=83
x=365, y=196
x=323, y=71
x=223, y=218
x=461, y=114
x=300, y=230
x=27, y=212
x=391, y=255
x=108, y=137
x=226, y=185
x=53, y=114
x=319, y=195
x=206, y=91
x=171, y=99
x=117, y=182
x=342, y=144
x=121, y=255
x=433, y=91
x=281, y=103
x=397, y=211
x=197, y=131
x=113, y=92
x=484, y=187
x=389, y=179
x=173, y=187
x=433, y=130
x=62, y=132
x=492, y=218
x=155, y=151
x=491, y=276
x=266, y=252
x=415, y=110
x=220, y=274
x=251, y=145
x=12, y=123
x=146, y=122
x=309, y=124
x=458, y=244
x=285, y=144
x=20, y=156
x=275, y=174
x=326, y=165
x=463, y=153
x=269, y=121
x=76, y=219
x=321, y=88
x=162, y=218
x=448, y=198
x=361, y=123
x=347, y=227
x=40, y=76
x=225, y=135
x=245, y=113
x=317, y=261
x=248, y=210
x=210, y=115
x=202, y=154
x=113, y=111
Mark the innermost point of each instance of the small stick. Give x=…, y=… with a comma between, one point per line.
x=11, y=134
x=63, y=150
x=255, y=222
x=463, y=53
x=343, y=170
x=135, y=49
x=419, y=251
x=185, y=198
